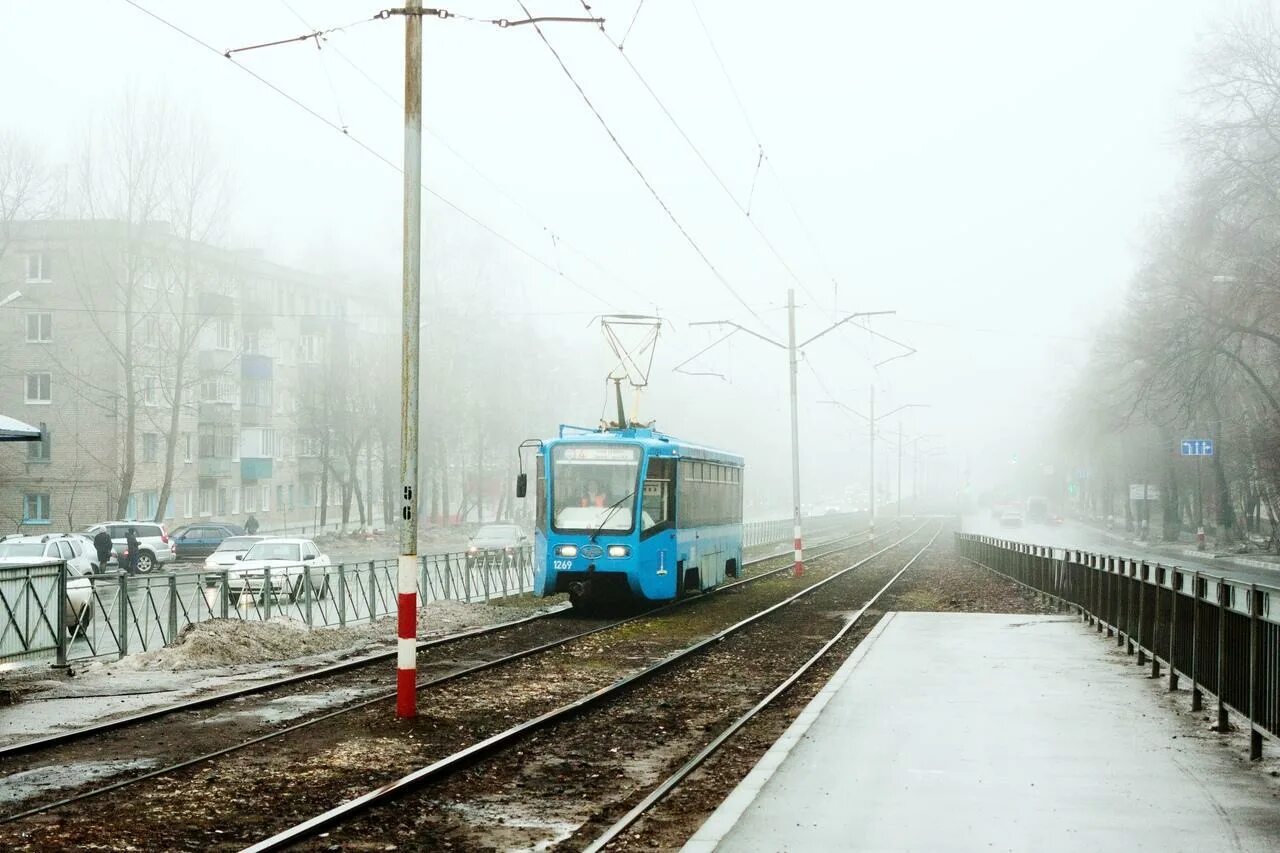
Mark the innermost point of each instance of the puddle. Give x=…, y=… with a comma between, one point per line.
x=288, y=708
x=513, y=832
x=17, y=787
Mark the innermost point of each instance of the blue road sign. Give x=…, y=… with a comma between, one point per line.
x=1197, y=447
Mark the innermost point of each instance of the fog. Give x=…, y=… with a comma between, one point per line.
x=994, y=173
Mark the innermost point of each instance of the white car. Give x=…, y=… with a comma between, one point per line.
x=287, y=559
x=49, y=548
x=229, y=551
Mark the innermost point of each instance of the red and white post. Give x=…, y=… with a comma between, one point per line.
x=407, y=568
x=407, y=637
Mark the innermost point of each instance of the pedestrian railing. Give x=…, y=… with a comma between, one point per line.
x=1220, y=634
x=123, y=614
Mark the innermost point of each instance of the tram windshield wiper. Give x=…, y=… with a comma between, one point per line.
x=609, y=514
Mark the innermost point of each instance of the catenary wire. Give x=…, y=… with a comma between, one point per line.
x=640, y=173
x=372, y=152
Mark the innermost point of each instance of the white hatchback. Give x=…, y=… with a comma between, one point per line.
x=49, y=548
x=288, y=561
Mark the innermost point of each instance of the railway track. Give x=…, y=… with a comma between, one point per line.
x=373, y=822
x=451, y=671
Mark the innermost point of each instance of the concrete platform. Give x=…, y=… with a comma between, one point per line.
x=958, y=732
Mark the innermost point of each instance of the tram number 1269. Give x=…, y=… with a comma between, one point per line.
x=563, y=565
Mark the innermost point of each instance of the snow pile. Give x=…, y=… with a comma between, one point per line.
x=229, y=642
x=234, y=642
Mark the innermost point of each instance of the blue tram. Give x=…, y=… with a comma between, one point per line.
x=633, y=513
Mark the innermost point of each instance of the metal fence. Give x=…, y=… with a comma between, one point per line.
x=124, y=614
x=1220, y=634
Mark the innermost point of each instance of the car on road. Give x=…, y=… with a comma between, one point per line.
x=154, y=546
x=194, y=541
x=1011, y=518
x=288, y=561
x=48, y=548
x=230, y=550
x=494, y=538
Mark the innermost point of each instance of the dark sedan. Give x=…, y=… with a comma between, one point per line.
x=197, y=541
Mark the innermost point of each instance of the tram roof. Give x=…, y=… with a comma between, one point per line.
x=651, y=439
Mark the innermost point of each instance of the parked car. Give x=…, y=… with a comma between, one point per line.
x=154, y=546
x=287, y=559
x=230, y=550
x=47, y=548
x=1011, y=518
x=194, y=541
x=495, y=537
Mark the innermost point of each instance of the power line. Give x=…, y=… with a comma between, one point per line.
x=746, y=117
x=640, y=173
x=370, y=150
x=745, y=210
x=557, y=239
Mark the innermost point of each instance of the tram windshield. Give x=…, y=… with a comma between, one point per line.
x=593, y=487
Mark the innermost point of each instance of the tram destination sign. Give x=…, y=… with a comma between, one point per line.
x=1197, y=447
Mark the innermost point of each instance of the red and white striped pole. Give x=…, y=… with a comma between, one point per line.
x=407, y=637
x=407, y=568
x=798, y=570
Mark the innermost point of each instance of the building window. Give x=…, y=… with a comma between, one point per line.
x=35, y=508
x=250, y=499
x=150, y=447
x=39, y=328
x=206, y=501
x=280, y=504
x=40, y=451
x=188, y=504
x=186, y=452
x=38, y=387
x=223, y=329
x=308, y=349
x=235, y=502
x=39, y=269
x=266, y=498
x=222, y=500
x=151, y=390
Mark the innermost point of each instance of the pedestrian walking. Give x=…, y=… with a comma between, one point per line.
x=131, y=544
x=251, y=525
x=102, y=544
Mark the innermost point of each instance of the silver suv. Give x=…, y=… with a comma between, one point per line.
x=154, y=546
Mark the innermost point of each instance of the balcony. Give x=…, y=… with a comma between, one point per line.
x=309, y=467
x=255, y=469
x=214, y=467
x=215, y=304
x=253, y=366
x=215, y=361
x=254, y=416
x=216, y=413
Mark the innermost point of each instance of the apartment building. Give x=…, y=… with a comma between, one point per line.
x=216, y=354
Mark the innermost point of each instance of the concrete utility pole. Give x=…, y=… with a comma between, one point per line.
x=793, y=350
x=407, y=568
x=872, y=421
x=798, y=568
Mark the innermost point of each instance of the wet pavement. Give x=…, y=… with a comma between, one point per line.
x=950, y=732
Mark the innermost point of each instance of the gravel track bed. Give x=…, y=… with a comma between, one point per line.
x=543, y=791
x=239, y=798
x=939, y=581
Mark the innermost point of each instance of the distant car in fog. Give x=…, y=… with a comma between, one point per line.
x=495, y=537
x=1038, y=510
x=1011, y=518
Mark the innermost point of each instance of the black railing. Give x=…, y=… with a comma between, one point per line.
x=1222, y=635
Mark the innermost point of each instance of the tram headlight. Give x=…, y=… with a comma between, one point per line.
x=566, y=550
x=618, y=551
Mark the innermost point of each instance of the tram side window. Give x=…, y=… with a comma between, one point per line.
x=540, y=496
x=659, y=496
x=710, y=493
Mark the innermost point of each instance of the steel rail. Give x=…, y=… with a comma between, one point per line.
x=432, y=682
x=658, y=793
x=197, y=703
x=463, y=758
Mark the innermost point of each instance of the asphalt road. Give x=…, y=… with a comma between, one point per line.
x=1083, y=537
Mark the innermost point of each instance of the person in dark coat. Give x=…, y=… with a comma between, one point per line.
x=131, y=543
x=251, y=525
x=102, y=544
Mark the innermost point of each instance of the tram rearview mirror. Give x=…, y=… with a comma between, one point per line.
x=522, y=484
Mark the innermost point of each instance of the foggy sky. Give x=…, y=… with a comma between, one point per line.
x=986, y=169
